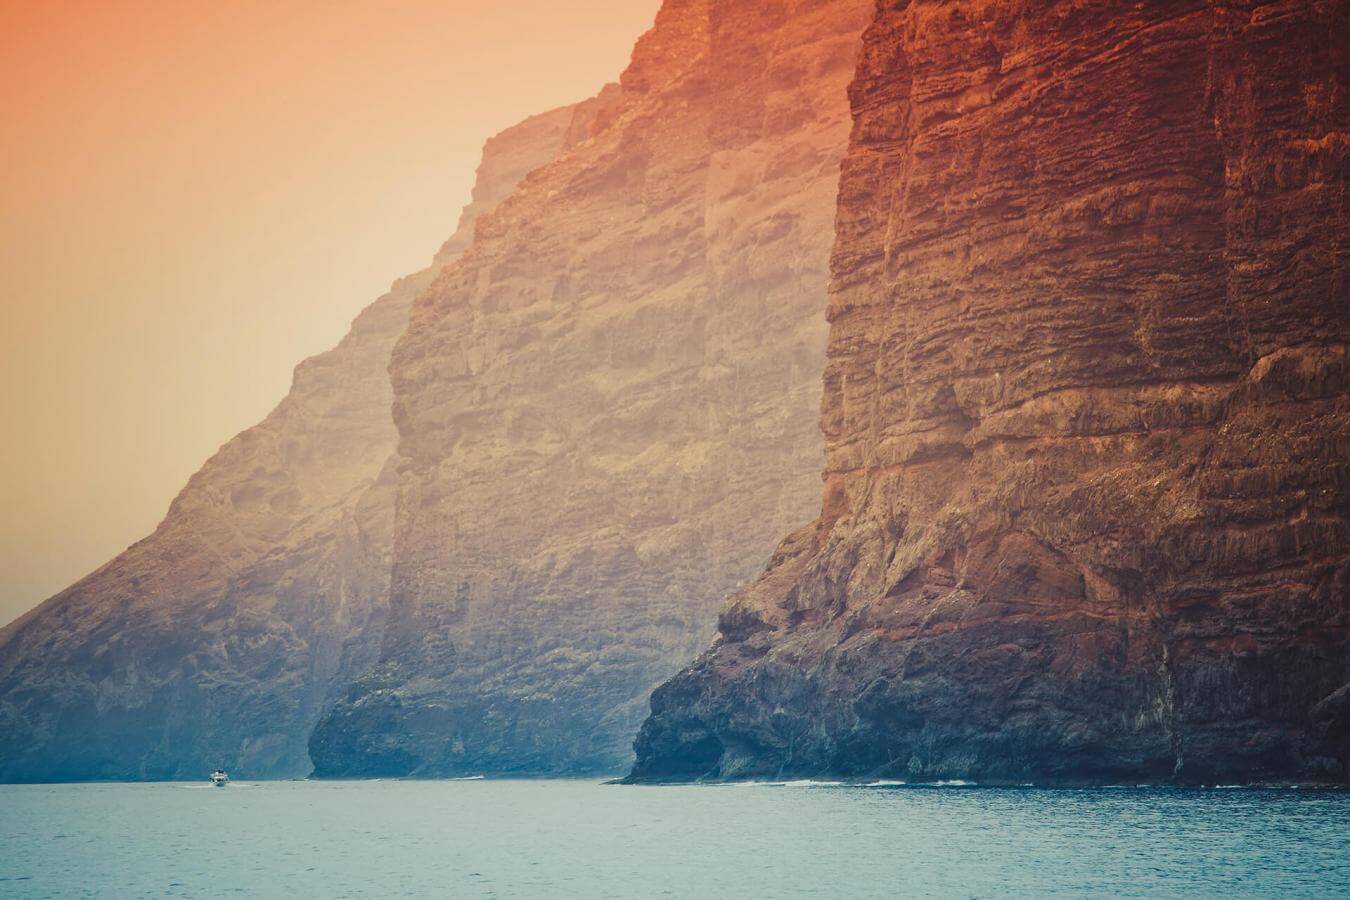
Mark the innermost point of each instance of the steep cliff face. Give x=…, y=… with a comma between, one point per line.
x=1086, y=411
x=219, y=639
x=608, y=407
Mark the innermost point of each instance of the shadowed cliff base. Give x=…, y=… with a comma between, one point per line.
x=1087, y=414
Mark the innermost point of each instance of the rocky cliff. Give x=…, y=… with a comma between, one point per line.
x=219, y=639
x=1087, y=414
x=608, y=407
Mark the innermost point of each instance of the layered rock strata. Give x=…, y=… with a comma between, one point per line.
x=219, y=639
x=608, y=407
x=1087, y=414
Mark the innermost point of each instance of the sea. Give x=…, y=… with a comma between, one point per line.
x=586, y=839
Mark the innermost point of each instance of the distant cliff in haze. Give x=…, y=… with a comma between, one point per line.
x=608, y=407
x=220, y=638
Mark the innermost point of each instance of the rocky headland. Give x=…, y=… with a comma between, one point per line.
x=608, y=408
x=1084, y=423
x=220, y=638
x=1086, y=513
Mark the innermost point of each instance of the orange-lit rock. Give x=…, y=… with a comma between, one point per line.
x=1086, y=411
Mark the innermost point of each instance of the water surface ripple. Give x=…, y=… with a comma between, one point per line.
x=491, y=838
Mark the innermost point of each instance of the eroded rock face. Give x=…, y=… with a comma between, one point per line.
x=219, y=639
x=608, y=408
x=1086, y=411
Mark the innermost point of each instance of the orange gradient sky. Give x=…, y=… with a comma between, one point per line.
x=194, y=196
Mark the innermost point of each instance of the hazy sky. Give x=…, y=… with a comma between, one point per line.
x=194, y=196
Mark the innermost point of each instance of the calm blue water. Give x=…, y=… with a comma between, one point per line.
x=582, y=839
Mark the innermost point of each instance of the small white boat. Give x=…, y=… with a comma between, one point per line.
x=219, y=778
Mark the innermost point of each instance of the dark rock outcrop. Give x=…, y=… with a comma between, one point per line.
x=1087, y=414
x=608, y=407
x=220, y=638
